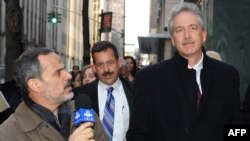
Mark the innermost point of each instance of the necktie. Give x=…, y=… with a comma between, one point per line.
x=198, y=97
x=109, y=114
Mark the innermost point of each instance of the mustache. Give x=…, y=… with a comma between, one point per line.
x=107, y=73
x=69, y=83
x=187, y=42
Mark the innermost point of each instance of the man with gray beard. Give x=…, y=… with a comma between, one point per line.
x=46, y=111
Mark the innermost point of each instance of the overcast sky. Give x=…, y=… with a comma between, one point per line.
x=137, y=21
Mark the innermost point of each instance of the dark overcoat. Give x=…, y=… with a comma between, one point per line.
x=164, y=106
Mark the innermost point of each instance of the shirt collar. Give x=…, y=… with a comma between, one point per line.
x=199, y=65
x=114, y=85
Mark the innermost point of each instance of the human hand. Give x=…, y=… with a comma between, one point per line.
x=83, y=133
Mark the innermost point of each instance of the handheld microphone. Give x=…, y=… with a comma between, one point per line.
x=84, y=112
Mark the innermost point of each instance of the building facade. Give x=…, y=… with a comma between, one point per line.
x=64, y=37
x=116, y=36
x=94, y=21
x=157, y=44
x=228, y=33
x=2, y=40
x=2, y=32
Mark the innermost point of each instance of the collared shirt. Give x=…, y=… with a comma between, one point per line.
x=121, y=121
x=198, y=68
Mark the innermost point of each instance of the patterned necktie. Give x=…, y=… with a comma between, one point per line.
x=109, y=114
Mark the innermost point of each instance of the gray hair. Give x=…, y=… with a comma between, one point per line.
x=27, y=66
x=188, y=7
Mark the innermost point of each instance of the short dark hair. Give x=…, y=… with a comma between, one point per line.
x=27, y=66
x=76, y=67
x=102, y=46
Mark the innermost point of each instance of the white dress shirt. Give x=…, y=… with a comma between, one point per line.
x=121, y=120
x=198, y=67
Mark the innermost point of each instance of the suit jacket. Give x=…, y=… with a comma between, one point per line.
x=92, y=91
x=25, y=125
x=246, y=106
x=164, y=106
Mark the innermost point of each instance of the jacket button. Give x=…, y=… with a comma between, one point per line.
x=47, y=126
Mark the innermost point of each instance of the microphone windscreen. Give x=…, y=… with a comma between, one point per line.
x=82, y=101
x=84, y=112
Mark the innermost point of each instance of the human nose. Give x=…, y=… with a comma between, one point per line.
x=186, y=33
x=105, y=67
x=68, y=76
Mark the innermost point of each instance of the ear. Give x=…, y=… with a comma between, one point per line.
x=34, y=85
x=204, y=36
x=172, y=41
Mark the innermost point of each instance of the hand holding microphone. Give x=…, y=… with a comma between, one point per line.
x=83, y=133
x=84, y=120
